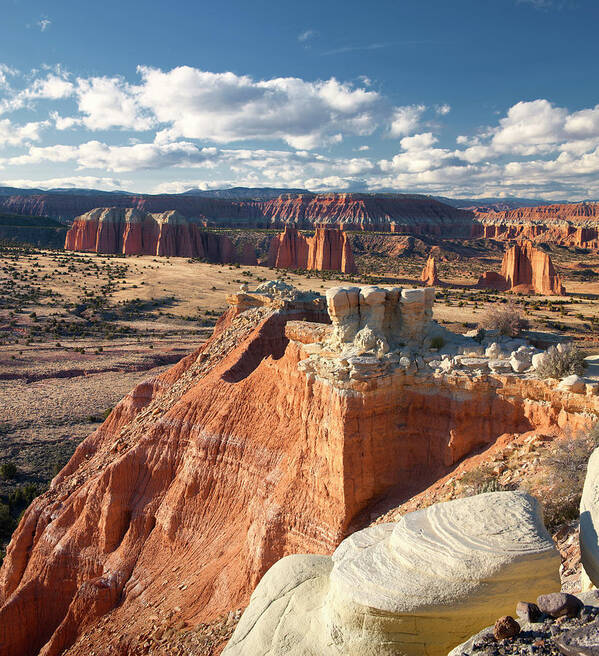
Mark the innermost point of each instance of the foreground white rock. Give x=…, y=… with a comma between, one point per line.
x=589, y=523
x=417, y=587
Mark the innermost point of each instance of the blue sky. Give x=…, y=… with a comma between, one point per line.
x=452, y=97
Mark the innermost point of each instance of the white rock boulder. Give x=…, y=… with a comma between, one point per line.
x=521, y=360
x=538, y=360
x=418, y=587
x=574, y=384
x=589, y=521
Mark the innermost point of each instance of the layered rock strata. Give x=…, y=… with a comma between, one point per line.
x=271, y=439
x=416, y=588
x=429, y=274
x=575, y=224
x=525, y=269
x=133, y=232
x=328, y=250
x=385, y=212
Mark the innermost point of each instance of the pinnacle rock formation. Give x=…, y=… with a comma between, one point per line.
x=328, y=250
x=525, y=269
x=273, y=438
x=417, y=588
x=429, y=273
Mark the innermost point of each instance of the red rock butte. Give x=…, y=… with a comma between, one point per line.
x=133, y=232
x=329, y=249
x=272, y=438
x=525, y=269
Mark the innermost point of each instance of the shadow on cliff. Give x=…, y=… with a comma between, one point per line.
x=454, y=446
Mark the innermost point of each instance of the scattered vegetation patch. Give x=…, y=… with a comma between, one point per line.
x=506, y=319
x=559, y=487
x=561, y=361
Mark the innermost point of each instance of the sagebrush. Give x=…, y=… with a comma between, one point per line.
x=504, y=318
x=561, y=361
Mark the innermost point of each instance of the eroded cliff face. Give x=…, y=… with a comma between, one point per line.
x=268, y=440
x=525, y=269
x=134, y=232
x=389, y=213
x=575, y=224
x=328, y=250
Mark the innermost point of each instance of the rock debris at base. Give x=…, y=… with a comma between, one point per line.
x=550, y=636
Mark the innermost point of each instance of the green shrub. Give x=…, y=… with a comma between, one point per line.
x=437, y=342
x=565, y=473
x=7, y=523
x=8, y=470
x=561, y=361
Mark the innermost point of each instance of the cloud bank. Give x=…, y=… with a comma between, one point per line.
x=193, y=127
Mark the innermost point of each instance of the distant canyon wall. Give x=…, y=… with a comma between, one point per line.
x=575, y=224
x=134, y=232
x=385, y=213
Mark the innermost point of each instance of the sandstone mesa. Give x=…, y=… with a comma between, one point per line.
x=134, y=232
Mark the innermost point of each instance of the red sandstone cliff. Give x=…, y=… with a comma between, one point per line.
x=327, y=250
x=429, y=274
x=203, y=477
x=525, y=269
x=134, y=232
x=389, y=213
x=575, y=224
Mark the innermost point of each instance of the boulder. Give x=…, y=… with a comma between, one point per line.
x=559, y=604
x=416, y=587
x=520, y=360
x=493, y=351
x=589, y=521
x=500, y=366
x=538, y=359
x=505, y=627
x=573, y=383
